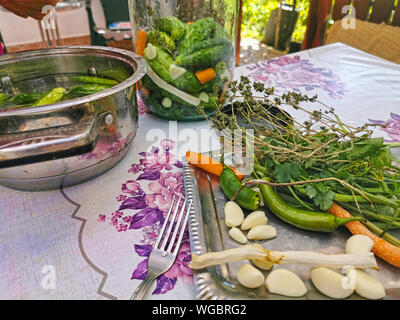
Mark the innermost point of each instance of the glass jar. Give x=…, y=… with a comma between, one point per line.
x=189, y=46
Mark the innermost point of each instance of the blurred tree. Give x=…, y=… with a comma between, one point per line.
x=256, y=15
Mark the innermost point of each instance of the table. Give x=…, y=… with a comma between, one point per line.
x=91, y=241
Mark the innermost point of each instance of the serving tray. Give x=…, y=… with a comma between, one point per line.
x=208, y=232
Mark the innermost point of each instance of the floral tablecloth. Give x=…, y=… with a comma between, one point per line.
x=91, y=241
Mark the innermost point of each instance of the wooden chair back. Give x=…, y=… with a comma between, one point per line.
x=376, y=11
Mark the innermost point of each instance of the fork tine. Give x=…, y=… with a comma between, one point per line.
x=177, y=225
x=168, y=232
x=178, y=243
x=164, y=224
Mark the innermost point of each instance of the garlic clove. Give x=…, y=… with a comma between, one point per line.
x=176, y=71
x=237, y=235
x=286, y=283
x=359, y=244
x=330, y=283
x=254, y=219
x=234, y=215
x=368, y=287
x=262, y=264
x=262, y=232
x=250, y=277
x=150, y=52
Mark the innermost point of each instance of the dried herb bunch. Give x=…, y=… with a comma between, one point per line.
x=317, y=160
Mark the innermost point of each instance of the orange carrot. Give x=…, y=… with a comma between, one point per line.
x=208, y=164
x=383, y=249
x=111, y=129
x=141, y=42
x=145, y=91
x=206, y=75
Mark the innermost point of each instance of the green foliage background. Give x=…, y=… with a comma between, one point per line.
x=256, y=15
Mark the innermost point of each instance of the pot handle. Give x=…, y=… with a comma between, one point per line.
x=50, y=143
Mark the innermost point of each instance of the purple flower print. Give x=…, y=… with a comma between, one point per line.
x=150, y=233
x=136, y=202
x=146, y=217
x=167, y=144
x=141, y=270
x=141, y=106
x=132, y=187
x=143, y=250
x=181, y=269
x=167, y=281
x=294, y=74
x=164, y=284
x=121, y=197
x=150, y=175
x=164, y=189
x=154, y=173
x=391, y=127
x=134, y=169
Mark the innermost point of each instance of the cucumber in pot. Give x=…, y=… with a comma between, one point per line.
x=3, y=98
x=198, y=31
x=161, y=64
x=173, y=26
x=84, y=90
x=208, y=43
x=25, y=98
x=161, y=39
x=94, y=80
x=206, y=57
x=53, y=96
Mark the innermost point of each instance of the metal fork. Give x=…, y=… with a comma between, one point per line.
x=162, y=257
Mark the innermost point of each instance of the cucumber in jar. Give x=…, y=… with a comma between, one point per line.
x=200, y=30
x=173, y=26
x=206, y=57
x=161, y=39
x=161, y=64
x=208, y=43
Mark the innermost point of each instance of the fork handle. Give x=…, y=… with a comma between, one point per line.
x=142, y=288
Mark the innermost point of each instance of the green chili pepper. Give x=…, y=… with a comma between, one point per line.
x=95, y=80
x=53, y=96
x=303, y=219
x=230, y=184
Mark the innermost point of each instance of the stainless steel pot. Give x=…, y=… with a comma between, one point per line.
x=71, y=141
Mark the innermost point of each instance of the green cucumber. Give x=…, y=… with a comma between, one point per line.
x=220, y=32
x=3, y=98
x=206, y=57
x=173, y=26
x=25, y=98
x=208, y=43
x=160, y=65
x=197, y=32
x=94, y=80
x=161, y=39
x=84, y=90
x=53, y=96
